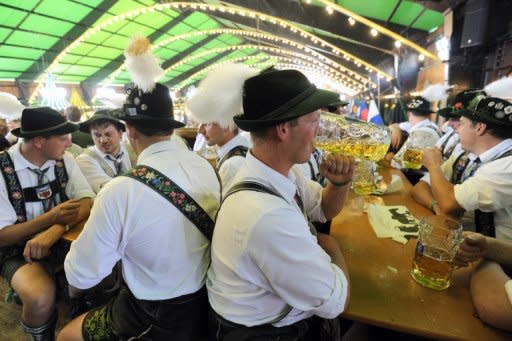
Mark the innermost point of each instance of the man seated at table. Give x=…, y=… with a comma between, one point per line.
x=270, y=275
x=42, y=193
x=108, y=157
x=157, y=221
x=479, y=185
x=491, y=283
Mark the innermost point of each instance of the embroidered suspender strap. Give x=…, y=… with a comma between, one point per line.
x=13, y=187
x=458, y=168
x=236, y=151
x=484, y=221
x=103, y=164
x=175, y=195
x=447, y=151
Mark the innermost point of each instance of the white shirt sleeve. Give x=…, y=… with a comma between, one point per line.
x=93, y=172
x=297, y=268
x=77, y=186
x=93, y=254
x=311, y=194
x=7, y=215
x=508, y=289
x=229, y=169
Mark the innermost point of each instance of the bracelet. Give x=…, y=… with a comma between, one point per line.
x=433, y=204
x=340, y=184
x=67, y=228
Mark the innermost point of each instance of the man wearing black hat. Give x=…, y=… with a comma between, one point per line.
x=419, y=127
x=482, y=191
x=156, y=220
x=270, y=274
x=108, y=157
x=38, y=179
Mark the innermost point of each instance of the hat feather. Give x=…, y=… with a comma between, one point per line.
x=502, y=88
x=436, y=92
x=142, y=64
x=219, y=95
x=10, y=107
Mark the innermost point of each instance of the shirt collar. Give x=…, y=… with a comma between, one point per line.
x=103, y=155
x=20, y=162
x=424, y=123
x=261, y=173
x=495, y=151
x=156, y=148
x=237, y=140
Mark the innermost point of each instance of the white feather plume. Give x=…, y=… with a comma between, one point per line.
x=219, y=95
x=114, y=100
x=143, y=66
x=502, y=88
x=10, y=107
x=436, y=92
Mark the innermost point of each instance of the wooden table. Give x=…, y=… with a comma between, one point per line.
x=73, y=233
x=382, y=297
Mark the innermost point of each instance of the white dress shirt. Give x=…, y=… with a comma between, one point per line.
x=163, y=253
x=490, y=190
x=264, y=257
x=93, y=170
x=230, y=167
x=76, y=188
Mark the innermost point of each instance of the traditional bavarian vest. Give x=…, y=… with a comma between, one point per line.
x=236, y=151
x=446, y=152
x=18, y=196
x=484, y=221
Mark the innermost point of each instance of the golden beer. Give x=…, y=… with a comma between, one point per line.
x=352, y=147
x=412, y=158
x=363, y=187
x=432, y=267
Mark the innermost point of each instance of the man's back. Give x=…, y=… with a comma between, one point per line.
x=164, y=255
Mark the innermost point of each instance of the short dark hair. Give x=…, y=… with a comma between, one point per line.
x=73, y=113
x=150, y=130
x=103, y=122
x=500, y=132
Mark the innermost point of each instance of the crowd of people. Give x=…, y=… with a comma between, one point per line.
x=230, y=252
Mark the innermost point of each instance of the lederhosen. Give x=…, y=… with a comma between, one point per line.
x=484, y=221
x=446, y=152
x=179, y=318
x=312, y=328
x=18, y=196
x=236, y=151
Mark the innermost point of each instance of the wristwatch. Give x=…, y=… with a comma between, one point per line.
x=67, y=228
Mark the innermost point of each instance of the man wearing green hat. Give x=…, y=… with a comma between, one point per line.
x=271, y=275
x=481, y=192
x=108, y=157
x=42, y=194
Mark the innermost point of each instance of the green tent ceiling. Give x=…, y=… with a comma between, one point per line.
x=35, y=33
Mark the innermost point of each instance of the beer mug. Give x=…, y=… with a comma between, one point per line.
x=438, y=240
x=363, y=182
x=415, y=144
x=210, y=154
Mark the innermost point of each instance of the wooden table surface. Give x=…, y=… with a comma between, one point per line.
x=73, y=233
x=383, y=296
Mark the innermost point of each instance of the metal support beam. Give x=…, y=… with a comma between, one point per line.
x=188, y=51
x=47, y=58
x=393, y=11
x=197, y=68
x=110, y=67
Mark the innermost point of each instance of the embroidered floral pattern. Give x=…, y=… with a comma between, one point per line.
x=173, y=193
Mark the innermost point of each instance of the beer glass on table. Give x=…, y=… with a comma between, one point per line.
x=438, y=240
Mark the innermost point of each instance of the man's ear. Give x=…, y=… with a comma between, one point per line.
x=131, y=131
x=282, y=130
x=38, y=142
x=481, y=128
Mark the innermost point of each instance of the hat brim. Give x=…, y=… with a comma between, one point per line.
x=318, y=99
x=448, y=113
x=67, y=128
x=421, y=111
x=85, y=126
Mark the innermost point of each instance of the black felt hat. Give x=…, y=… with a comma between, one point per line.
x=447, y=113
x=43, y=121
x=492, y=110
x=106, y=115
x=466, y=101
x=278, y=96
x=150, y=109
x=419, y=105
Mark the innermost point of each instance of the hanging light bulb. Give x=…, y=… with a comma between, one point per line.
x=374, y=32
x=398, y=43
x=351, y=21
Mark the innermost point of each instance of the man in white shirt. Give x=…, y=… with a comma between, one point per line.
x=164, y=255
x=42, y=194
x=108, y=157
x=270, y=275
x=481, y=192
